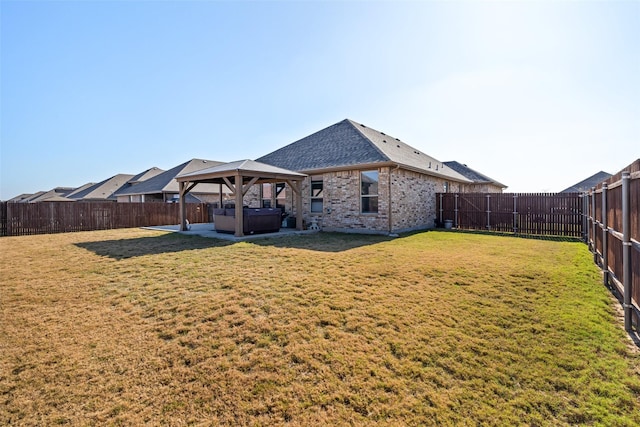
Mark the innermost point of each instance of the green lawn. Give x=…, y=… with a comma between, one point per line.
x=437, y=328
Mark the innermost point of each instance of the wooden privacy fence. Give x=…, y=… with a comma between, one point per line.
x=613, y=215
x=552, y=214
x=19, y=219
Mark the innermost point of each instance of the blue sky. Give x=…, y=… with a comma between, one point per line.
x=538, y=95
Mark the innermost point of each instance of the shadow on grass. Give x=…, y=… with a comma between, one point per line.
x=518, y=235
x=323, y=242
x=173, y=243
x=141, y=246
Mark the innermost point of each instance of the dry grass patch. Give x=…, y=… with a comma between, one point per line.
x=134, y=326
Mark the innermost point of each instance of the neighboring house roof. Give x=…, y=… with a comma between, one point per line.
x=21, y=198
x=143, y=176
x=473, y=175
x=165, y=182
x=79, y=189
x=351, y=144
x=586, y=184
x=27, y=198
x=55, y=195
x=56, y=198
x=137, y=179
x=103, y=190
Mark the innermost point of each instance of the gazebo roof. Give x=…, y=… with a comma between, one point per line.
x=245, y=168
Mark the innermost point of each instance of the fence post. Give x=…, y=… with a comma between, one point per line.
x=585, y=221
x=626, y=250
x=605, y=236
x=488, y=212
x=593, y=225
x=455, y=210
x=441, y=209
x=515, y=213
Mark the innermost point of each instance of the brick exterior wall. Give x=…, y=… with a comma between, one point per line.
x=480, y=188
x=411, y=195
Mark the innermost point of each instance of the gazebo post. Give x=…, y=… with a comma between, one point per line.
x=239, y=202
x=299, y=223
x=183, y=207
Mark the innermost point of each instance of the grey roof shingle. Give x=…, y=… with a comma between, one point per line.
x=103, y=190
x=473, y=175
x=165, y=182
x=337, y=145
x=586, y=184
x=137, y=179
x=348, y=144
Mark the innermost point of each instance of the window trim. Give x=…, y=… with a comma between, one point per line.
x=370, y=196
x=312, y=180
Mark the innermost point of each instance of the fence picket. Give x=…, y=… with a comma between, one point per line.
x=523, y=213
x=18, y=219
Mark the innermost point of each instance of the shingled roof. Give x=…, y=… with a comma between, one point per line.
x=587, y=184
x=350, y=144
x=165, y=182
x=103, y=190
x=473, y=175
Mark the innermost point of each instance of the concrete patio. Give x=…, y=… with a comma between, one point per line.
x=208, y=230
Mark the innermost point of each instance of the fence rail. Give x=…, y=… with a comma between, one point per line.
x=19, y=219
x=613, y=216
x=554, y=214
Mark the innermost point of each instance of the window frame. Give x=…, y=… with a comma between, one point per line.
x=369, y=197
x=315, y=180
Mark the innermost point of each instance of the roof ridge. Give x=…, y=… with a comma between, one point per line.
x=357, y=127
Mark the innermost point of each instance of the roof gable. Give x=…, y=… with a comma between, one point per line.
x=338, y=145
x=165, y=182
x=103, y=190
x=351, y=144
x=80, y=189
x=137, y=179
x=56, y=194
x=586, y=184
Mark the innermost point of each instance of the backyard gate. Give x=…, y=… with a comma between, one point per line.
x=552, y=214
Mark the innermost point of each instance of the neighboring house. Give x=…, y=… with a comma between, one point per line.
x=587, y=184
x=361, y=179
x=137, y=179
x=102, y=191
x=57, y=194
x=25, y=197
x=164, y=188
x=19, y=198
x=481, y=182
x=79, y=189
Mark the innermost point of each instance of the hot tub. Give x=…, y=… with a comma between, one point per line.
x=255, y=220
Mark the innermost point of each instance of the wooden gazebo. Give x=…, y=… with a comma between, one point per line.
x=239, y=177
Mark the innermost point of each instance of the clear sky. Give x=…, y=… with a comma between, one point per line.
x=537, y=95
